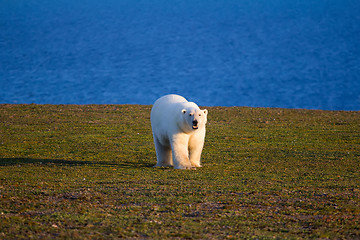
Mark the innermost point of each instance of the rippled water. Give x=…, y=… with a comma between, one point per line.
x=261, y=53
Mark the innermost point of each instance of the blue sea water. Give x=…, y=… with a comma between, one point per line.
x=259, y=53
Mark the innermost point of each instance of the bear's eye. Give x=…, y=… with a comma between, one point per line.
x=190, y=114
x=199, y=115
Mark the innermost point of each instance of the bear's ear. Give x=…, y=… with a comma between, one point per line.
x=205, y=111
x=184, y=111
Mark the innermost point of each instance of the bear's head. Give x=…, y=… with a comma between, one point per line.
x=194, y=118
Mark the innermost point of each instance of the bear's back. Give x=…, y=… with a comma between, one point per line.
x=167, y=105
x=164, y=115
x=170, y=99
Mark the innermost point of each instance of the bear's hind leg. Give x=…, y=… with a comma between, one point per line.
x=163, y=154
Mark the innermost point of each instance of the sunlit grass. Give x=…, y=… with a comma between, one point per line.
x=69, y=171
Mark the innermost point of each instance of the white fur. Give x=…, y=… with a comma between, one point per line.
x=177, y=142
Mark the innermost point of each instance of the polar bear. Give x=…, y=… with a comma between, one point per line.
x=178, y=128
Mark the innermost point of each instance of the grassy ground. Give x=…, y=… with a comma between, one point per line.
x=85, y=172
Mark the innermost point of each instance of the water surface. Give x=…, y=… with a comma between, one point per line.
x=260, y=53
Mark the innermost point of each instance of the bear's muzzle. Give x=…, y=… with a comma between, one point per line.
x=195, y=124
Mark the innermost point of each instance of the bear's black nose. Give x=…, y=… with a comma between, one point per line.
x=195, y=122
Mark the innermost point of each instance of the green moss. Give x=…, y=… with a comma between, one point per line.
x=69, y=171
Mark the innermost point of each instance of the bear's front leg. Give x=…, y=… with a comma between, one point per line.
x=195, y=155
x=180, y=152
x=196, y=144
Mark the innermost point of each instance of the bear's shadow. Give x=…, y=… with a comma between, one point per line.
x=62, y=162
